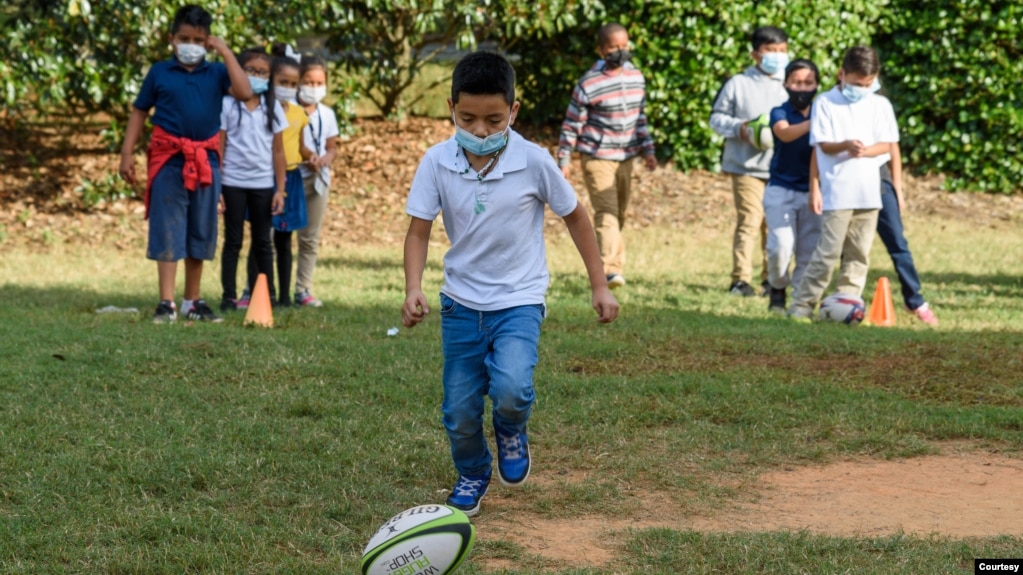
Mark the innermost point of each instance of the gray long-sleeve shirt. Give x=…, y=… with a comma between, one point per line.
x=744, y=97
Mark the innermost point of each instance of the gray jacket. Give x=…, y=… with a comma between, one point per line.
x=744, y=97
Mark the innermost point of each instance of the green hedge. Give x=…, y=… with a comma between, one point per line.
x=949, y=69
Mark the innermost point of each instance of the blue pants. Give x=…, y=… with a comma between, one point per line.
x=889, y=227
x=182, y=224
x=486, y=353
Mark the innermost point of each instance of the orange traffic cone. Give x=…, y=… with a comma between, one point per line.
x=882, y=312
x=260, y=312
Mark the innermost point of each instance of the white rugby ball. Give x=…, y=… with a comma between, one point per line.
x=431, y=539
x=844, y=308
x=759, y=132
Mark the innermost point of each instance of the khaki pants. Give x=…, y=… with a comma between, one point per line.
x=845, y=235
x=609, y=185
x=309, y=236
x=749, y=226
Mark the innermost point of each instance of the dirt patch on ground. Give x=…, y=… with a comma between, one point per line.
x=42, y=169
x=971, y=494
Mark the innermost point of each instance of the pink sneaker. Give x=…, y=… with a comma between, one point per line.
x=924, y=314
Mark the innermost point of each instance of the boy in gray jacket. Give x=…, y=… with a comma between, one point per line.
x=743, y=98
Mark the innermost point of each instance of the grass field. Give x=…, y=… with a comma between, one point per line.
x=132, y=448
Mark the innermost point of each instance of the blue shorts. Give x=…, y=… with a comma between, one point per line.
x=182, y=224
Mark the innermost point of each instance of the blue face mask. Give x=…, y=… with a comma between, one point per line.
x=774, y=62
x=481, y=146
x=259, y=85
x=856, y=93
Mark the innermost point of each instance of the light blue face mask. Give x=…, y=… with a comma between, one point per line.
x=856, y=93
x=481, y=146
x=774, y=62
x=259, y=85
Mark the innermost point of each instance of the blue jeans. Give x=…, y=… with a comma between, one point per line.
x=889, y=228
x=486, y=353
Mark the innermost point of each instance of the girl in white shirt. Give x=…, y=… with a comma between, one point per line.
x=253, y=174
x=321, y=136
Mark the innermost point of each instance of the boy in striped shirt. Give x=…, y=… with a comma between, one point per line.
x=606, y=123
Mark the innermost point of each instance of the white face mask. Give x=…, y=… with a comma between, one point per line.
x=312, y=94
x=190, y=54
x=285, y=94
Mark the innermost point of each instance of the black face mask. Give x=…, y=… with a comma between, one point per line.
x=801, y=100
x=617, y=58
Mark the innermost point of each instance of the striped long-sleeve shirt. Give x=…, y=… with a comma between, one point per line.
x=605, y=118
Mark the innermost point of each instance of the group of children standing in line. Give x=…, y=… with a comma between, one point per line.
x=832, y=180
x=273, y=142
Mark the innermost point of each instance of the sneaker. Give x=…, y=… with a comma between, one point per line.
x=306, y=299
x=615, y=281
x=242, y=303
x=165, y=312
x=926, y=315
x=201, y=312
x=512, y=458
x=468, y=492
x=800, y=315
x=228, y=304
x=741, y=288
x=765, y=288
x=777, y=301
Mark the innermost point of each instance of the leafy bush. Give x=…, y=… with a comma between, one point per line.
x=109, y=188
x=953, y=70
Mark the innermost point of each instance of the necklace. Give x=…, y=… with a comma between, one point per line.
x=486, y=169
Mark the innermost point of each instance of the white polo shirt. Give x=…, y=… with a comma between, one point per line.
x=849, y=183
x=497, y=257
x=248, y=153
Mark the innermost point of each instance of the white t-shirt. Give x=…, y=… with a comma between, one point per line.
x=322, y=126
x=497, y=257
x=248, y=153
x=849, y=183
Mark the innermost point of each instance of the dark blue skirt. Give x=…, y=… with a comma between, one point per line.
x=294, y=216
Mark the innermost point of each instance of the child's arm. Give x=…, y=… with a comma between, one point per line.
x=136, y=122
x=240, y=86
x=896, y=166
x=222, y=205
x=280, y=169
x=575, y=119
x=816, y=199
x=856, y=148
x=579, y=227
x=722, y=115
x=787, y=132
x=417, y=243
x=328, y=158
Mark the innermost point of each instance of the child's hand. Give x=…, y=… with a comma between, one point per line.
x=816, y=201
x=415, y=309
x=855, y=148
x=566, y=170
x=277, y=205
x=650, y=162
x=127, y=169
x=221, y=206
x=217, y=45
x=743, y=134
x=314, y=162
x=605, y=304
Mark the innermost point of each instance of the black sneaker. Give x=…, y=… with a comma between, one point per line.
x=228, y=304
x=741, y=288
x=765, y=288
x=165, y=312
x=777, y=303
x=201, y=312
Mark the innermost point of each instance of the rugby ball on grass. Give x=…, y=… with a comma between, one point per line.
x=759, y=132
x=844, y=308
x=432, y=539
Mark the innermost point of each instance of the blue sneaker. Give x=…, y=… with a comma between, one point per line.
x=512, y=457
x=468, y=492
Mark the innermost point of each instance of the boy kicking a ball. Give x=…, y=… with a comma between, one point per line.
x=492, y=187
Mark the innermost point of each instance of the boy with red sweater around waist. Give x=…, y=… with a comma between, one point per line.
x=183, y=187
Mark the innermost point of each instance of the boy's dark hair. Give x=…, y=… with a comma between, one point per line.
x=191, y=15
x=862, y=60
x=268, y=98
x=803, y=64
x=608, y=30
x=483, y=73
x=309, y=62
x=768, y=35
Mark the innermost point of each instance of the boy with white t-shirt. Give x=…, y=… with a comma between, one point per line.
x=852, y=130
x=492, y=187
